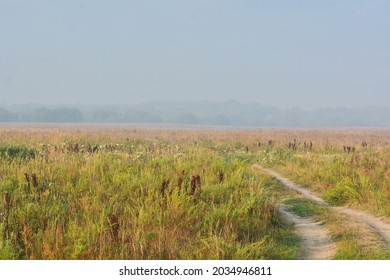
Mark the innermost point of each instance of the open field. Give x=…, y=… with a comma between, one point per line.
x=117, y=192
x=344, y=167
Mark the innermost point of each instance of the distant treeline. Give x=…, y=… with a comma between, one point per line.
x=42, y=114
x=230, y=113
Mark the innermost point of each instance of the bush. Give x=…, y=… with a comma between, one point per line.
x=17, y=152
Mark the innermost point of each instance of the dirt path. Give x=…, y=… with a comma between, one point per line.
x=376, y=224
x=305, y=192
x=316, y=243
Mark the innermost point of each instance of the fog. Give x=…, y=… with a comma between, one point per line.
x=203, y=113
x=289, y=54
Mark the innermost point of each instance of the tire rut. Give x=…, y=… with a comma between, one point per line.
x=315, y=241
x=374, y=223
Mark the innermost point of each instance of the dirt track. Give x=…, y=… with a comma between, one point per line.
x=315, y=241
x=375, y=224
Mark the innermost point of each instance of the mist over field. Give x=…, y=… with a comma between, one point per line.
x=281, y=54
x=194, y=130
x=230, y=113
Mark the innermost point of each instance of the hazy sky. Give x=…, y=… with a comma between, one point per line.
x=289, y=53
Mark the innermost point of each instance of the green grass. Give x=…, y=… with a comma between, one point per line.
x=303, y=207
x=110, y=204
x=20, y=152
x=360, y=179
x=353, y=242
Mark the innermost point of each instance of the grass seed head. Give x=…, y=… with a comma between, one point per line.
x=164, y=185
x=7, y=200
x=220, y=176
x=35, y=181
x=114, y=224
x=193, y=184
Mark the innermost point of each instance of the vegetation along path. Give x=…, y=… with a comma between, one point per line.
x=376, y=224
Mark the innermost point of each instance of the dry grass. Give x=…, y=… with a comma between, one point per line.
x=140, y=194
x=117, y=192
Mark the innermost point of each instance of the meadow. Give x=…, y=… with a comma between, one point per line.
x=102, y=193
x=344, y=167
x=117, y=192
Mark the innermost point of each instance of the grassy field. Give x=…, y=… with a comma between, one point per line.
x=344, y=167
x=106, y=192
x=102, y=193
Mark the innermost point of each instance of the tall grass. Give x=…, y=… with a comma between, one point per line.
x=138, y=196
x=358, y=176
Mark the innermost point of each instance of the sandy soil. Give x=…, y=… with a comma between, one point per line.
x=377, y=225
x=315, y=241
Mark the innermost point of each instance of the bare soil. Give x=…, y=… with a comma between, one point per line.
x=315, y=241
x=376, y=224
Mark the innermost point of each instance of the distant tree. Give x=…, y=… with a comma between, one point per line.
x=221, y=119
x=187, y=118
x=140, y=116
x=5, y=115
x=103, y=116
x=38, y=115
x=66, y=115
x=59, y=115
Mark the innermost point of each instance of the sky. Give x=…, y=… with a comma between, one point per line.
x=306, y=54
